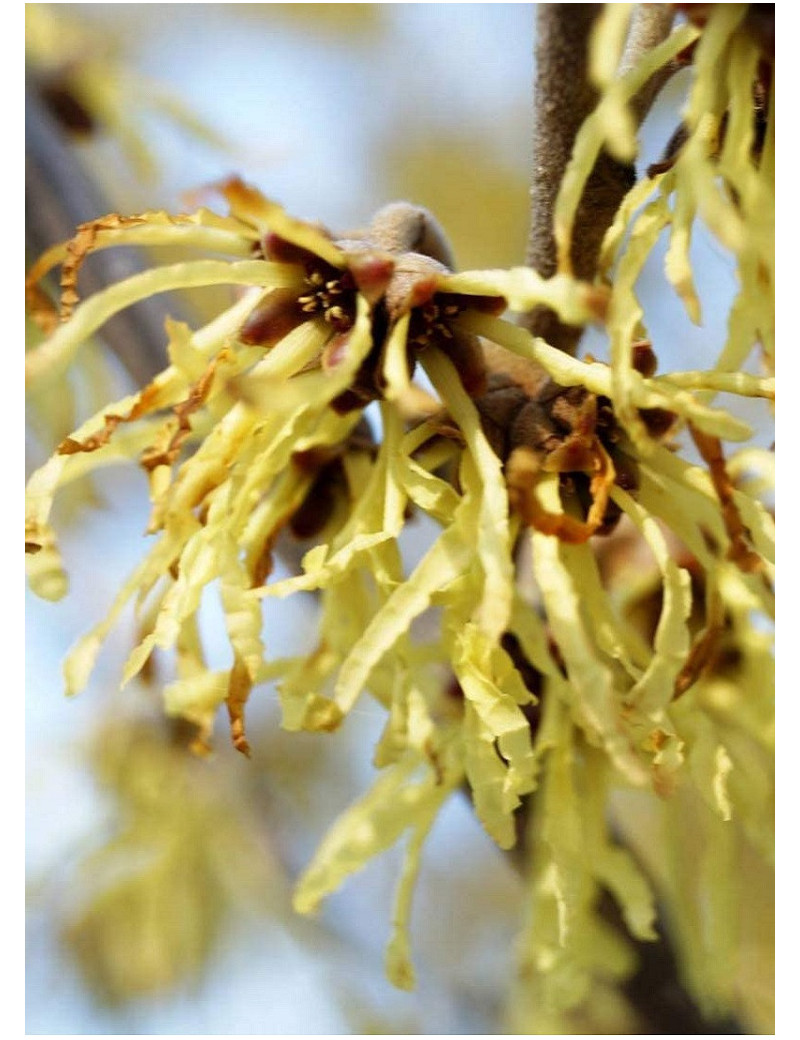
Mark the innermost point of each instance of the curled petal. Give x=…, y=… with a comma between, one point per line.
x=52, y=357
x=522, y=473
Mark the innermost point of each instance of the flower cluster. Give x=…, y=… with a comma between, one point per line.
x=545, y=682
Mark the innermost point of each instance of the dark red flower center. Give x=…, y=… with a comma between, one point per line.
x=332, y=295
x=431, y=322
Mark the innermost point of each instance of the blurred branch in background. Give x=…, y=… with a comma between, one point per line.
x=59, y=196
x=565, y=94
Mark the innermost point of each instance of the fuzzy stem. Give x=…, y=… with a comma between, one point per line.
x=563, y=99
x=650, y=26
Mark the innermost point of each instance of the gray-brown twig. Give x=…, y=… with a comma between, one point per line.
x=563, y=98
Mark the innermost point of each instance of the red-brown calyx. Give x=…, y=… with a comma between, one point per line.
x=327, y=292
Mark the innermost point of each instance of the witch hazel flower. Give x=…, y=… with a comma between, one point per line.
x=325, y=325
x=256, y=427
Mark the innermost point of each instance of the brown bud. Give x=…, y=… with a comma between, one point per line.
x=272, y=319
x=401, y=227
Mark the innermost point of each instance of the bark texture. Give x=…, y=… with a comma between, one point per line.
x=563, y=98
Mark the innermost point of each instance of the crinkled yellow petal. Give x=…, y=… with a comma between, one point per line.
x=493, y=716
x=753, y=471
x=722, y=382
x=575, y=302
x=303, y=707
x=201, y=230
x=563, y=943
x=594, y=699
x=615, y=237
x=50, y=359
x=395, y=363
x=613, y=637
x=44, y=568
x=399, y=968
x=654, y=689
x=243, y=618
x=677, y=262
x=607, y=42
x=618, y=871
x=698, y=184
x=81, y=659
x=611, y=864
x=434, y=496
x=394, y=803
x=625, y=315
x=444, y=562
x=483, y=476
x=197, y=698
x=486, y=776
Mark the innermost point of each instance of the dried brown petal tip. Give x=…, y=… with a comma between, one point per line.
x=739, y=551
x=239, y=687
x=522, y=470
x=575, y=455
